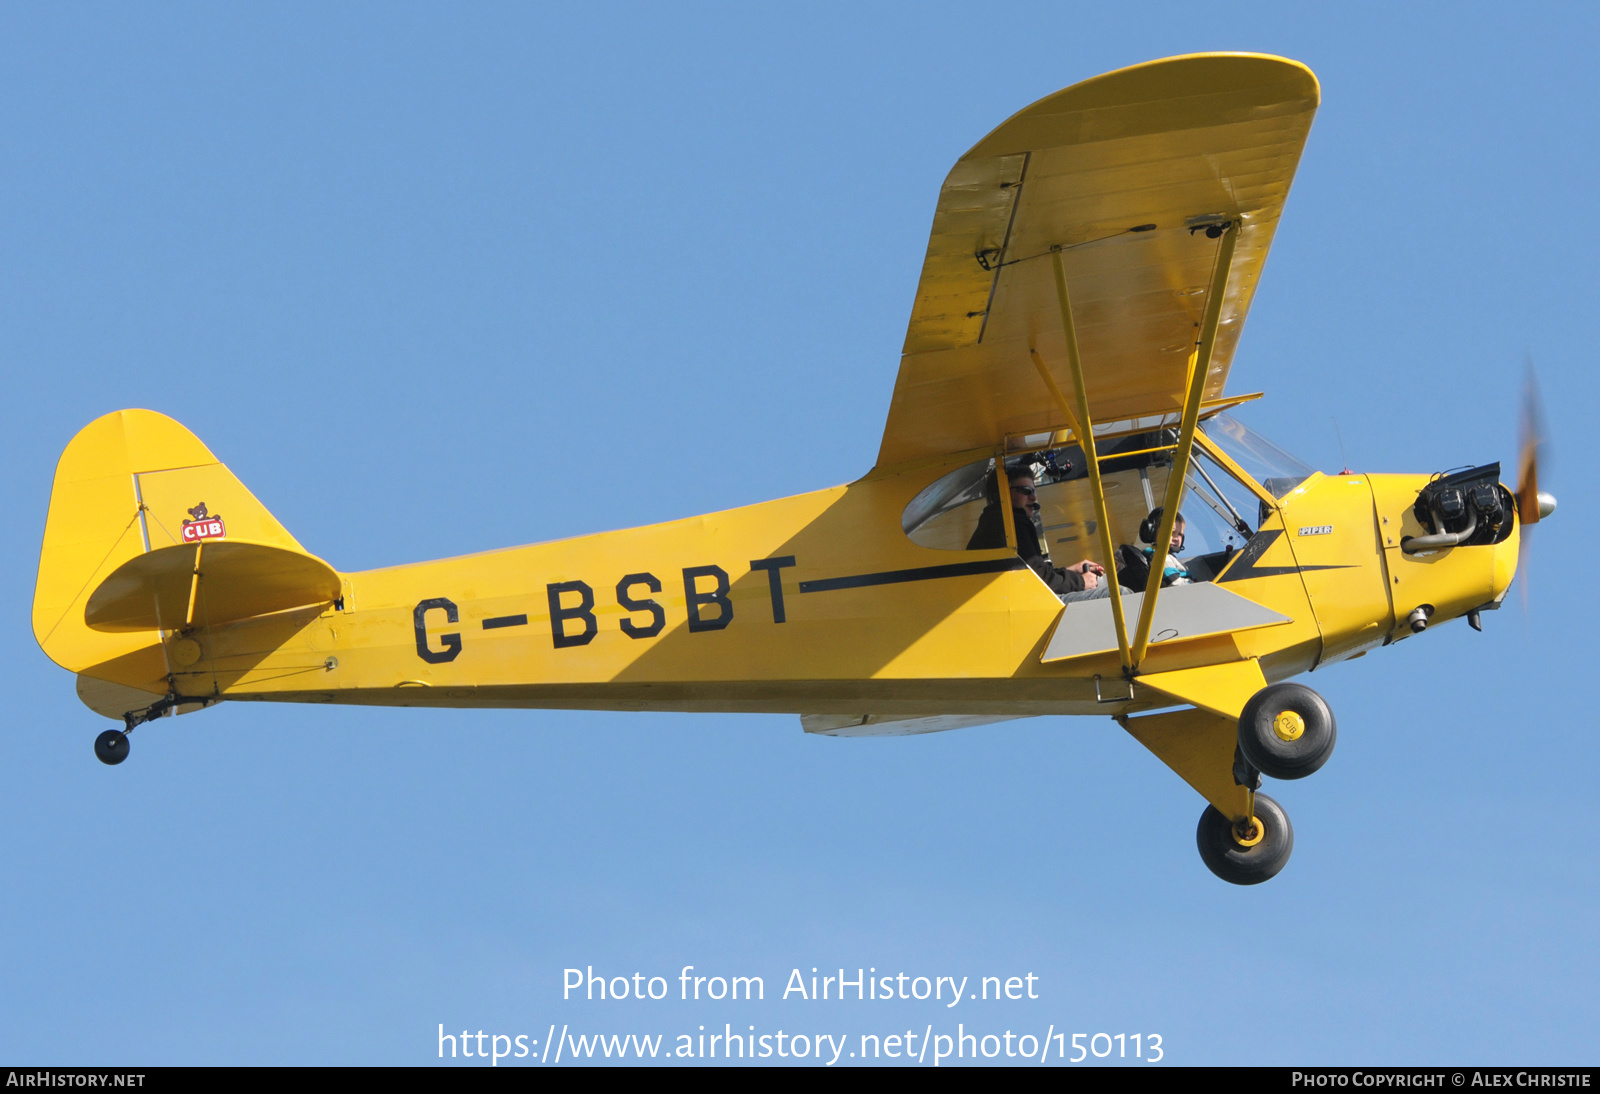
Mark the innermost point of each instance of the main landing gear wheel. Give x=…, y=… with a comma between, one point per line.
x=111, y=747
x=1250, y=852
x=1287, y=731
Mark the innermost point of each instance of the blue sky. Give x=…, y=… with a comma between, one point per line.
x=434, y=281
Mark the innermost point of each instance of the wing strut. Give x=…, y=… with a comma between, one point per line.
x=1199, y=368
x=194, y=585
x=1084, y=429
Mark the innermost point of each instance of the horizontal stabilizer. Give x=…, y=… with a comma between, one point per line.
x=237, y=581
x=115, y=700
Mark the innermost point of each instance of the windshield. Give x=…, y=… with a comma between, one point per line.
x=1268, y=464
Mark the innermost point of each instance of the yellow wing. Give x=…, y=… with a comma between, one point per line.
x=1122, y=172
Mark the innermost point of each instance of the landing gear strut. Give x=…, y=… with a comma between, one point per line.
x=111, y=747
x=1285, y=731
x=1250, y=851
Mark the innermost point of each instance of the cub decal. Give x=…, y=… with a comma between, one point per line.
x=202, y=525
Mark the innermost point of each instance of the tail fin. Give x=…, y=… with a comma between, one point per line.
x=136, y=498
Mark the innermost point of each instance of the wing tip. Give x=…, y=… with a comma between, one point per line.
x=1254, y=79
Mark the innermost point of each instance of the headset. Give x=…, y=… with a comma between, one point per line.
x=991, y=484
x=1152, y=524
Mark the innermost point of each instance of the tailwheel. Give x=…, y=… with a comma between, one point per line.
x=1251, y=851
x=1287, y=731
x=111, y=747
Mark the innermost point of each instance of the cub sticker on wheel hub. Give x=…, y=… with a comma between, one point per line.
x=1289, y=726
x=202, y=525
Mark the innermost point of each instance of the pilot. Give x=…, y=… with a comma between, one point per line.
x=1133, y=569
x=1082, y=581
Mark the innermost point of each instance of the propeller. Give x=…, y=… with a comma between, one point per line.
x=1533, y=504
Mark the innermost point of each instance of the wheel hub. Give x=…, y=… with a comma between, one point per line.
x=1288, y=726
x=1249, y=832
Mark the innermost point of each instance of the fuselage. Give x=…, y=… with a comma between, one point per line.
x=821, y=604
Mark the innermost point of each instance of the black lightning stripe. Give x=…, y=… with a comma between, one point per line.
x=920, y=573
x=1243, y=567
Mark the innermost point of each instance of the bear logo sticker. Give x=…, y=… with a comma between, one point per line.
x=202, y=525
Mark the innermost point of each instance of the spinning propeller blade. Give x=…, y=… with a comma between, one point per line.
x=1533, y=505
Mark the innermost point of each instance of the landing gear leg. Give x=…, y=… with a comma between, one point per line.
x=1250, y=851
x=111, y=747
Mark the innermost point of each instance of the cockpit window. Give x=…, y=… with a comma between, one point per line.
x=1270, y=465
x=945, y=513
x=1220, y=513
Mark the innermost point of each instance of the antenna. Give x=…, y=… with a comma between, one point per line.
x=1345, y=463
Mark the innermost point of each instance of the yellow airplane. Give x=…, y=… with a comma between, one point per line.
x=1091, y=264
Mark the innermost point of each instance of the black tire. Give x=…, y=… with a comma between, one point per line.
x=1233, y=862
x=111, y=747
x=1267, y=751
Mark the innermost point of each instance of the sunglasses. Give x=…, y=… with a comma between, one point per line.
x=1027, y=491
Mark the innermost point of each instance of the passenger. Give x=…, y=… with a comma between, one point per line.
x=1133, y=563
x=1083, y=581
